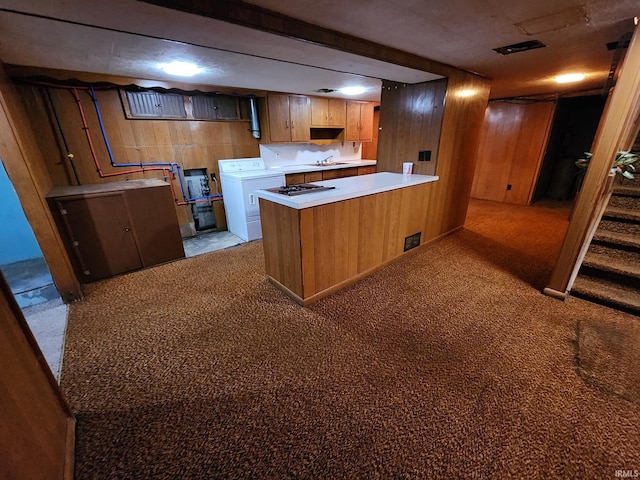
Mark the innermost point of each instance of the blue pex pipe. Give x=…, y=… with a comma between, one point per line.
x=175, y=167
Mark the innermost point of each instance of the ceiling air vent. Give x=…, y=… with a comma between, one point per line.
x=325, y=90
x=520, y=47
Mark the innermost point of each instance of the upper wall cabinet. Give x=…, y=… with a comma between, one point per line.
x=328, y=112
x=289, y=118
x=359, y=122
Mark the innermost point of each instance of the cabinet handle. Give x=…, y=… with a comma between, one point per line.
x=126, y=229
x=252, y=199
x=291, y=124
x=286, y=124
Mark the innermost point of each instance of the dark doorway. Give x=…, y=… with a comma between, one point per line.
x=574, y=127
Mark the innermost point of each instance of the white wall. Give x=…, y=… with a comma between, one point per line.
x=287, y=154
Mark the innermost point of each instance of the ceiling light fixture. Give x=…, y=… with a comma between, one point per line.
x=181, y=69
x=352, y=90
x=570, y=78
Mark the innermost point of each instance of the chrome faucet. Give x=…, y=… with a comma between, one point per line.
x=326, y=161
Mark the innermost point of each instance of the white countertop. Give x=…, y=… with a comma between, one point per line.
x=347, y=188
x=305, y=168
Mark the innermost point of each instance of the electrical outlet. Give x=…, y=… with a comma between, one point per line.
x=424, y=155
x=277, y=154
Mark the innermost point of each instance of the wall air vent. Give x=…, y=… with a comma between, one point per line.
x=520, y=47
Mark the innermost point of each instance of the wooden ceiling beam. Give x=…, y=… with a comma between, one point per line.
x=259, y=18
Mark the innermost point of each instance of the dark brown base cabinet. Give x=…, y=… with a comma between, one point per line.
x=117, y=227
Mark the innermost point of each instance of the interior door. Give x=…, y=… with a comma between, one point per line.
x=102, y=235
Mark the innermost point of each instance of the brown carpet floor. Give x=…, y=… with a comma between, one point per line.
x=449, y=363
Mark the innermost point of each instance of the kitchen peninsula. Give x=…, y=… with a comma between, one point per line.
x=318, y=242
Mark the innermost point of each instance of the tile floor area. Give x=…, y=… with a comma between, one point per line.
x=43, y=309
x=208, y=242
x=30, y=282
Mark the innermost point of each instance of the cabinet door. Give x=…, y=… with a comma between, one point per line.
x=366, y=170
x=101, y=235
x=300, y=118
x=279, y=118
x=366, y=122
x=319, y=112
x=352, y=133
x=312, y=177
x=294, y=178
x=153, y=213
x=337, y=112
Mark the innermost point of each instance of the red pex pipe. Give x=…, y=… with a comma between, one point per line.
x=142, y=169
x=94, y=156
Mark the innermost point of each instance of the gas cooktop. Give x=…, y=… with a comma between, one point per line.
x=299, y=189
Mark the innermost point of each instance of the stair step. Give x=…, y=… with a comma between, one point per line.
x=620, y=239
x=607, y=293
x=630, y=190
x=620, y=227
x=625, y=202
x=616, y=253
x=622, y=214
x=611, y=264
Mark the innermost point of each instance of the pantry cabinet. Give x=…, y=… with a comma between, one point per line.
x=289, y=118
x=359, y=122
x=116, y=227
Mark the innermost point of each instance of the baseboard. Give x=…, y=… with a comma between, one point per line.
x=555, y=293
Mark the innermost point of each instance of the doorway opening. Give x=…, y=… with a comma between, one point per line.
x=21, y=259
x=574, y=127
x=29, y=278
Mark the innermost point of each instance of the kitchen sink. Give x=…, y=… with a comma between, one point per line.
x=331, y=164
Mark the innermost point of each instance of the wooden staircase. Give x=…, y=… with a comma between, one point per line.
x=610, y=272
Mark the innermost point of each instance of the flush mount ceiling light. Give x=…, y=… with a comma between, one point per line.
x=352, y=90
x=181, y=69
x=570, y=78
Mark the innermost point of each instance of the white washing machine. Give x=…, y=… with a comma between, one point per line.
x=239, y=179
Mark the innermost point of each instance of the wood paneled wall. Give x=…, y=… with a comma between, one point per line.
x=465, y=102
x=410, y=121
x=37, y=434
x=512, y=146
x=190, y=143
